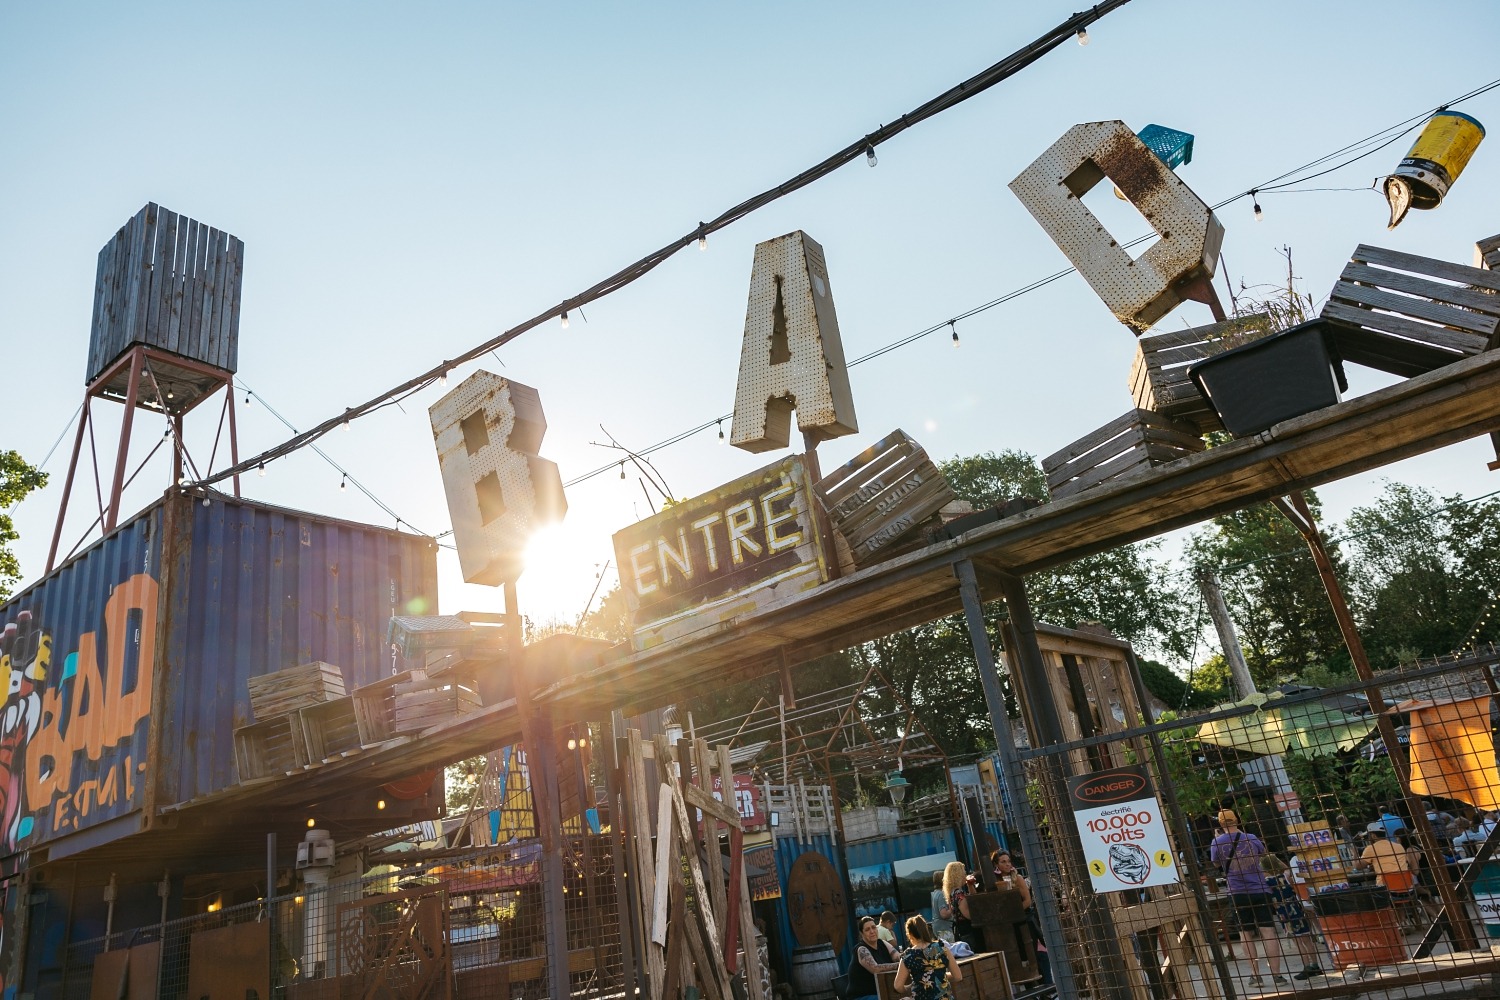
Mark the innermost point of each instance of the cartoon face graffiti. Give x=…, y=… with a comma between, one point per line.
x=25, y=655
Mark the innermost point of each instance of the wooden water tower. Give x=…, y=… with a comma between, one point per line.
x=165, y=338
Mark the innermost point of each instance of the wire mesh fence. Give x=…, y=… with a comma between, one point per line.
x=471, y=924
x=1331, y=841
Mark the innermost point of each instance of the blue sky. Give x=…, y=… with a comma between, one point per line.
x=409, y=181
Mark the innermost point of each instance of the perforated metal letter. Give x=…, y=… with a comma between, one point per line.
x=791, y=357
x=1139, y=292
x=488, y=431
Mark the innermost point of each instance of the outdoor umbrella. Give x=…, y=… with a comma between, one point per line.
x=1309, y=728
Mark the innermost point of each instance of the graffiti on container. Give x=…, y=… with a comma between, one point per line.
x=62, y=731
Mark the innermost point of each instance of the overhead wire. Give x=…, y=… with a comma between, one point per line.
x=345, y=473
x=972, y=87
x=1042, y=282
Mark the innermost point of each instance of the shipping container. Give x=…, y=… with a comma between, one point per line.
x=127, y=666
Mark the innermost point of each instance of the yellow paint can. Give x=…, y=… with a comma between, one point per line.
x=1433, y=163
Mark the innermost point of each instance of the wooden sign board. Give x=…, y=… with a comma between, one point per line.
x=881, y=496
x=703, y=562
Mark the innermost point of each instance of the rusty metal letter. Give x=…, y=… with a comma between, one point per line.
x=488, y=431
x=791, y=357
x=1139, y=292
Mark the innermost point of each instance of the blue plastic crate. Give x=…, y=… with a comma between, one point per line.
x=1172, y=147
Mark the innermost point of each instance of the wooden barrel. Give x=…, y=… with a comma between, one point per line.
x=813, y=970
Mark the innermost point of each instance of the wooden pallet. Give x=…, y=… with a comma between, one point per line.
x=270, y=748
x=882, y=496
x=283, y=692
x=1159, y=376
x=1137, y=440
x=1407, y=315
x=330, y=729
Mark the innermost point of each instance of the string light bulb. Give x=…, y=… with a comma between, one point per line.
x=261, y=468
x=954, y=328
x=247, y=397
x=205, y=501
x=572, y=743
x=622, y=470
x=443, y=380
x=311, y=822
x=1083, y=36
x=870, y=156
x=565, y=319
x=1255, y=207
x=345, y=426
x=702, y=239
x=721, y=428
x=380, y=804
x=342, y=487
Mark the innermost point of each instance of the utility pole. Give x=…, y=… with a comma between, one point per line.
x=1229, y=640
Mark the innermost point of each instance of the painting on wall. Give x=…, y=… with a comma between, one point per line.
x=874, y=890
x=914, y=881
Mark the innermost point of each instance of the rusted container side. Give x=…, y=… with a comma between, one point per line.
x=255, y=589
x=128, y=666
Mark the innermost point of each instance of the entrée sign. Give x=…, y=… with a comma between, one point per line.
x=742, y=545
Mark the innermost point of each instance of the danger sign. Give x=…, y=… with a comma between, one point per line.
x=1121, y=828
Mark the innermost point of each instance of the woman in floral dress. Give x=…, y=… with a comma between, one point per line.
x=927, y=965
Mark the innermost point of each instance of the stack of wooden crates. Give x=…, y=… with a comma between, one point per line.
x=304, y=717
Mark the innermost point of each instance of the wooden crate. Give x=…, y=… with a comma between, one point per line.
x=1159, y=376
x=1407, y=315
x=375, y=707
x=270, y=748
x=330, y=729
x=1137, y=440
x=881, y=497
x=283, y=692
x=423, y=702
x=1487, y=253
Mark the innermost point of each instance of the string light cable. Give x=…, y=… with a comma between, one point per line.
x=859, y=148
x=345, y=475
x=984, y=80
x=1274, y=184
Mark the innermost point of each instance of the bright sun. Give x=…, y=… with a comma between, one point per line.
x=563, y=563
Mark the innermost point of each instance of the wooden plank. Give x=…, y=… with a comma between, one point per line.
x=848, y=487
x=921, y=503
x=700, y=890
x=1405, y=305
x=871, y=490
x=712, y=855
x=891, y=440
x=666, y=871
x=1427, y=265
x=1461, y=343
x=1463, y=296
x=236, y=259
x=1487, y=253
x=1387, y=353
x=174, y=317
x=1091, y=440
x=639, y=826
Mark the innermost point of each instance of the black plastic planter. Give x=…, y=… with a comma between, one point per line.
x=1272, y=379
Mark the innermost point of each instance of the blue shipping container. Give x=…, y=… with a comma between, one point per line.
x=127, y=667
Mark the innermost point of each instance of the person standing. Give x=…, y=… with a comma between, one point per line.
x=1290, y=914
x=870, y=957
x=942, y=914
x=1238, y=854
x=928, y=965
x=956, y=888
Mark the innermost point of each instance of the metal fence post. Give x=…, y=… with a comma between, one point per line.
x=1022, y=817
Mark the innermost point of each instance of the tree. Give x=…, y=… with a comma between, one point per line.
x=17, y=479
x=1124, y=589
x=1273, y=590
x=1424, y=568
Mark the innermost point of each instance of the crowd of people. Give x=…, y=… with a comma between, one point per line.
x=926, y=965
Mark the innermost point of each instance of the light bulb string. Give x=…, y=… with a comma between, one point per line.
x=972, y=87
x=344, y=473
x=1044, y=281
